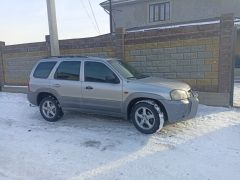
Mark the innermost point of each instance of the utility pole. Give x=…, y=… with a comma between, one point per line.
x=52, y=21
x=111, y=16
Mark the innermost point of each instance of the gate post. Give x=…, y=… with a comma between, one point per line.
x=119, y=43
x=226, y=77
x=2, y=45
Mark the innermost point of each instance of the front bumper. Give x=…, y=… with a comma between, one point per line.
x=181, y=110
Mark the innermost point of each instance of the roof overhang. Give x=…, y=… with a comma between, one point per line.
x=105, y=4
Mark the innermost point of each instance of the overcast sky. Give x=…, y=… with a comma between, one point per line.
x=23, y=21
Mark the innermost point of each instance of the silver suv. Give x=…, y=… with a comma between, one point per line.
x=109, y=87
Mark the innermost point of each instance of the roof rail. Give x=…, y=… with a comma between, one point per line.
x=67, y=57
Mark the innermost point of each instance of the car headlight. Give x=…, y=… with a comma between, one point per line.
x=177, y=95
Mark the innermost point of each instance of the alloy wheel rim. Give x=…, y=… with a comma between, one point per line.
x=144, y=118
x=49, y=109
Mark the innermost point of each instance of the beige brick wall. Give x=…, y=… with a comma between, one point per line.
x=97, y=52
x=18, y=60
x=17, y=66
x=194, y=61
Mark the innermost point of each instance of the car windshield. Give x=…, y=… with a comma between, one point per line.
x=127, y=71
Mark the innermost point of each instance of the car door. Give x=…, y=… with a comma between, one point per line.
x=66, y=82
x=102, y=88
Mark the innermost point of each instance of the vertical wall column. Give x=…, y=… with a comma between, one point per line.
x=2, y=45
x=52, y=21
x=119, y=42
x=48, y=44
x=226, y=54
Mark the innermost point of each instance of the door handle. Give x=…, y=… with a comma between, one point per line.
x=56, y=85
x=89, y=87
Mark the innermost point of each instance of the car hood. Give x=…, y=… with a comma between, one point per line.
x=167, y=83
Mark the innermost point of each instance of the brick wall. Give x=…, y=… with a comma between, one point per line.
x=201, y=55
x=194, y=60
x=101, y=46
x=18, y=61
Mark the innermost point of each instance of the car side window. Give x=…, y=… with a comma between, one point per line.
x=68, y=70
x=43, y=70
x=99, y=72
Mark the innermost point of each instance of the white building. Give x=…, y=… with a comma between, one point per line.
x=138, y=14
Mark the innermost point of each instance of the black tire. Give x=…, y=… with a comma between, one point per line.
x=58, y=111
x=156, y=125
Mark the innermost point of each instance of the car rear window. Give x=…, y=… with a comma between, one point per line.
x=44, y=69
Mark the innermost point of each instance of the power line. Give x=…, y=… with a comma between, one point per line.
x=94, y=16
x=86, y=11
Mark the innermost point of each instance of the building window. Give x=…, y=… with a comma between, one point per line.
x=159, y=12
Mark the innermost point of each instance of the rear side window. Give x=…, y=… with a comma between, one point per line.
x=68, y=70
x=43, y=69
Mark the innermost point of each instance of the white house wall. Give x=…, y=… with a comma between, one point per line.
x=136, y=14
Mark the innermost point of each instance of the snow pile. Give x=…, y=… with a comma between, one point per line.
x=84, y=146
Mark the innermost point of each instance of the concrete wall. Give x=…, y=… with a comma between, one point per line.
x=136, y=14
x=200, y=55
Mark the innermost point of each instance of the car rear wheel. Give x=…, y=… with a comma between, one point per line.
x=50, y=109
x=147, y=117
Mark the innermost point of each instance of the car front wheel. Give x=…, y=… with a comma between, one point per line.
x=147, y=117
x=50, y=109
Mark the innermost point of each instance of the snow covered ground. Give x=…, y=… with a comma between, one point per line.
x=94, y=147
